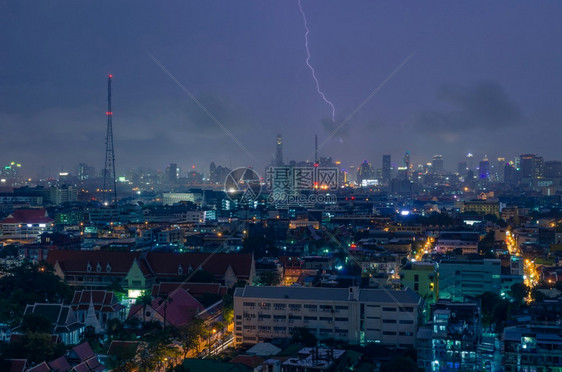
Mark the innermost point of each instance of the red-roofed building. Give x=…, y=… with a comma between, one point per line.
x=106, y=306
x=17, y=365
x=60, y=364
x=194, y=289
x=41, y=367
x=251, y=361
x=100, y=269
x=83, y=358
x=227, y=268
x=136, y=272
x=178, y=308
x=26, y=223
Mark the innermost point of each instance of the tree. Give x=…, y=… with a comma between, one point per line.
x=399, y=364
x=144, y=300
x=500, y=314
x=36, y=323
x=191, y=334
x=518, y=292
x=487, y=243
x=35, y=347
x=269, y=278
x=303, y=336
x=487, y=302
x=27, y=284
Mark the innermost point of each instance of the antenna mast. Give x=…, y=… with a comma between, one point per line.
x=109, y=182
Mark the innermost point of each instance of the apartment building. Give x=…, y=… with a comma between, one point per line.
x=350, y=314
x=461, y=278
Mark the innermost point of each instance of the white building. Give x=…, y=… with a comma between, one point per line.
x=351, y=314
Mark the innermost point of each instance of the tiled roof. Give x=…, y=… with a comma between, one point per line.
x=83, y=351
x=195, y=289
x=60, y=365
x=251, y=361
x=28, y=216
x=180, y=309
x=104, y=301
x=17, y=365
x=74, y=262
x=42, y=367
x=165, y=264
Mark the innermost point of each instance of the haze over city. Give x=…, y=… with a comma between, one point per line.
x=480, y=77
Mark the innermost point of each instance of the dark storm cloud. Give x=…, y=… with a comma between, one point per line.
x=480, y=106
x=182, y=120
x=335, y=128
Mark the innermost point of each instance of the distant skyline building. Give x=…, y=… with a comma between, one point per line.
x=531, y=166
x=462, y=168
x=499, y=169
x=553, y=169
x=484, y=169
x=407, y=163
x=470, y=161
x=437, y=164
x=386, y=168
x=365, y=172
x=279, y=151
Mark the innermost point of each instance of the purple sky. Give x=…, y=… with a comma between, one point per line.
x=484, y=79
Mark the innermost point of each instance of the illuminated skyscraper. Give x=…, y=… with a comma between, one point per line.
x=470, y=162
x=484, y=169
x=279, y=151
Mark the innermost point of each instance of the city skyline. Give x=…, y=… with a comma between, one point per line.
x=478, y=81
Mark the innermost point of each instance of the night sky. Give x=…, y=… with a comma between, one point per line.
x=485, y=78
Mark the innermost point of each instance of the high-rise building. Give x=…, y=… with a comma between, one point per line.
x=85, y=172
x=531, y=168
x=462, y=168
x=365, y=172
x=386, y=169
x=279, y=151
x=499, y=170
x=173, y=171
x=407, y=163
x=470, y=161
x=553, y=169
x=437, y=164
x=484, y=169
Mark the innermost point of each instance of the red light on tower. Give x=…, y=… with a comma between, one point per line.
x=110, y=76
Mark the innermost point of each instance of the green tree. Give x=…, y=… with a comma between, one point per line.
x=36, y=323
x=303, y=336
x=500, y=314
x=192, y=333
x=269, y=278
x=35, y=347
x=145, y=300
x=27, y=284
x=518, y=292
x=487, y=302
x=399, y=364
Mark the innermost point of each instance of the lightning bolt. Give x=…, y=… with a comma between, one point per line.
x=310, y=66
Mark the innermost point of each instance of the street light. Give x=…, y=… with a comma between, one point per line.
x=214, y=331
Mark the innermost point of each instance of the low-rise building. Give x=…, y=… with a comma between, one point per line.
x=449, y=342
x=532, y=348
x=350, y=314
x=461, y=278
x=422, y=277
